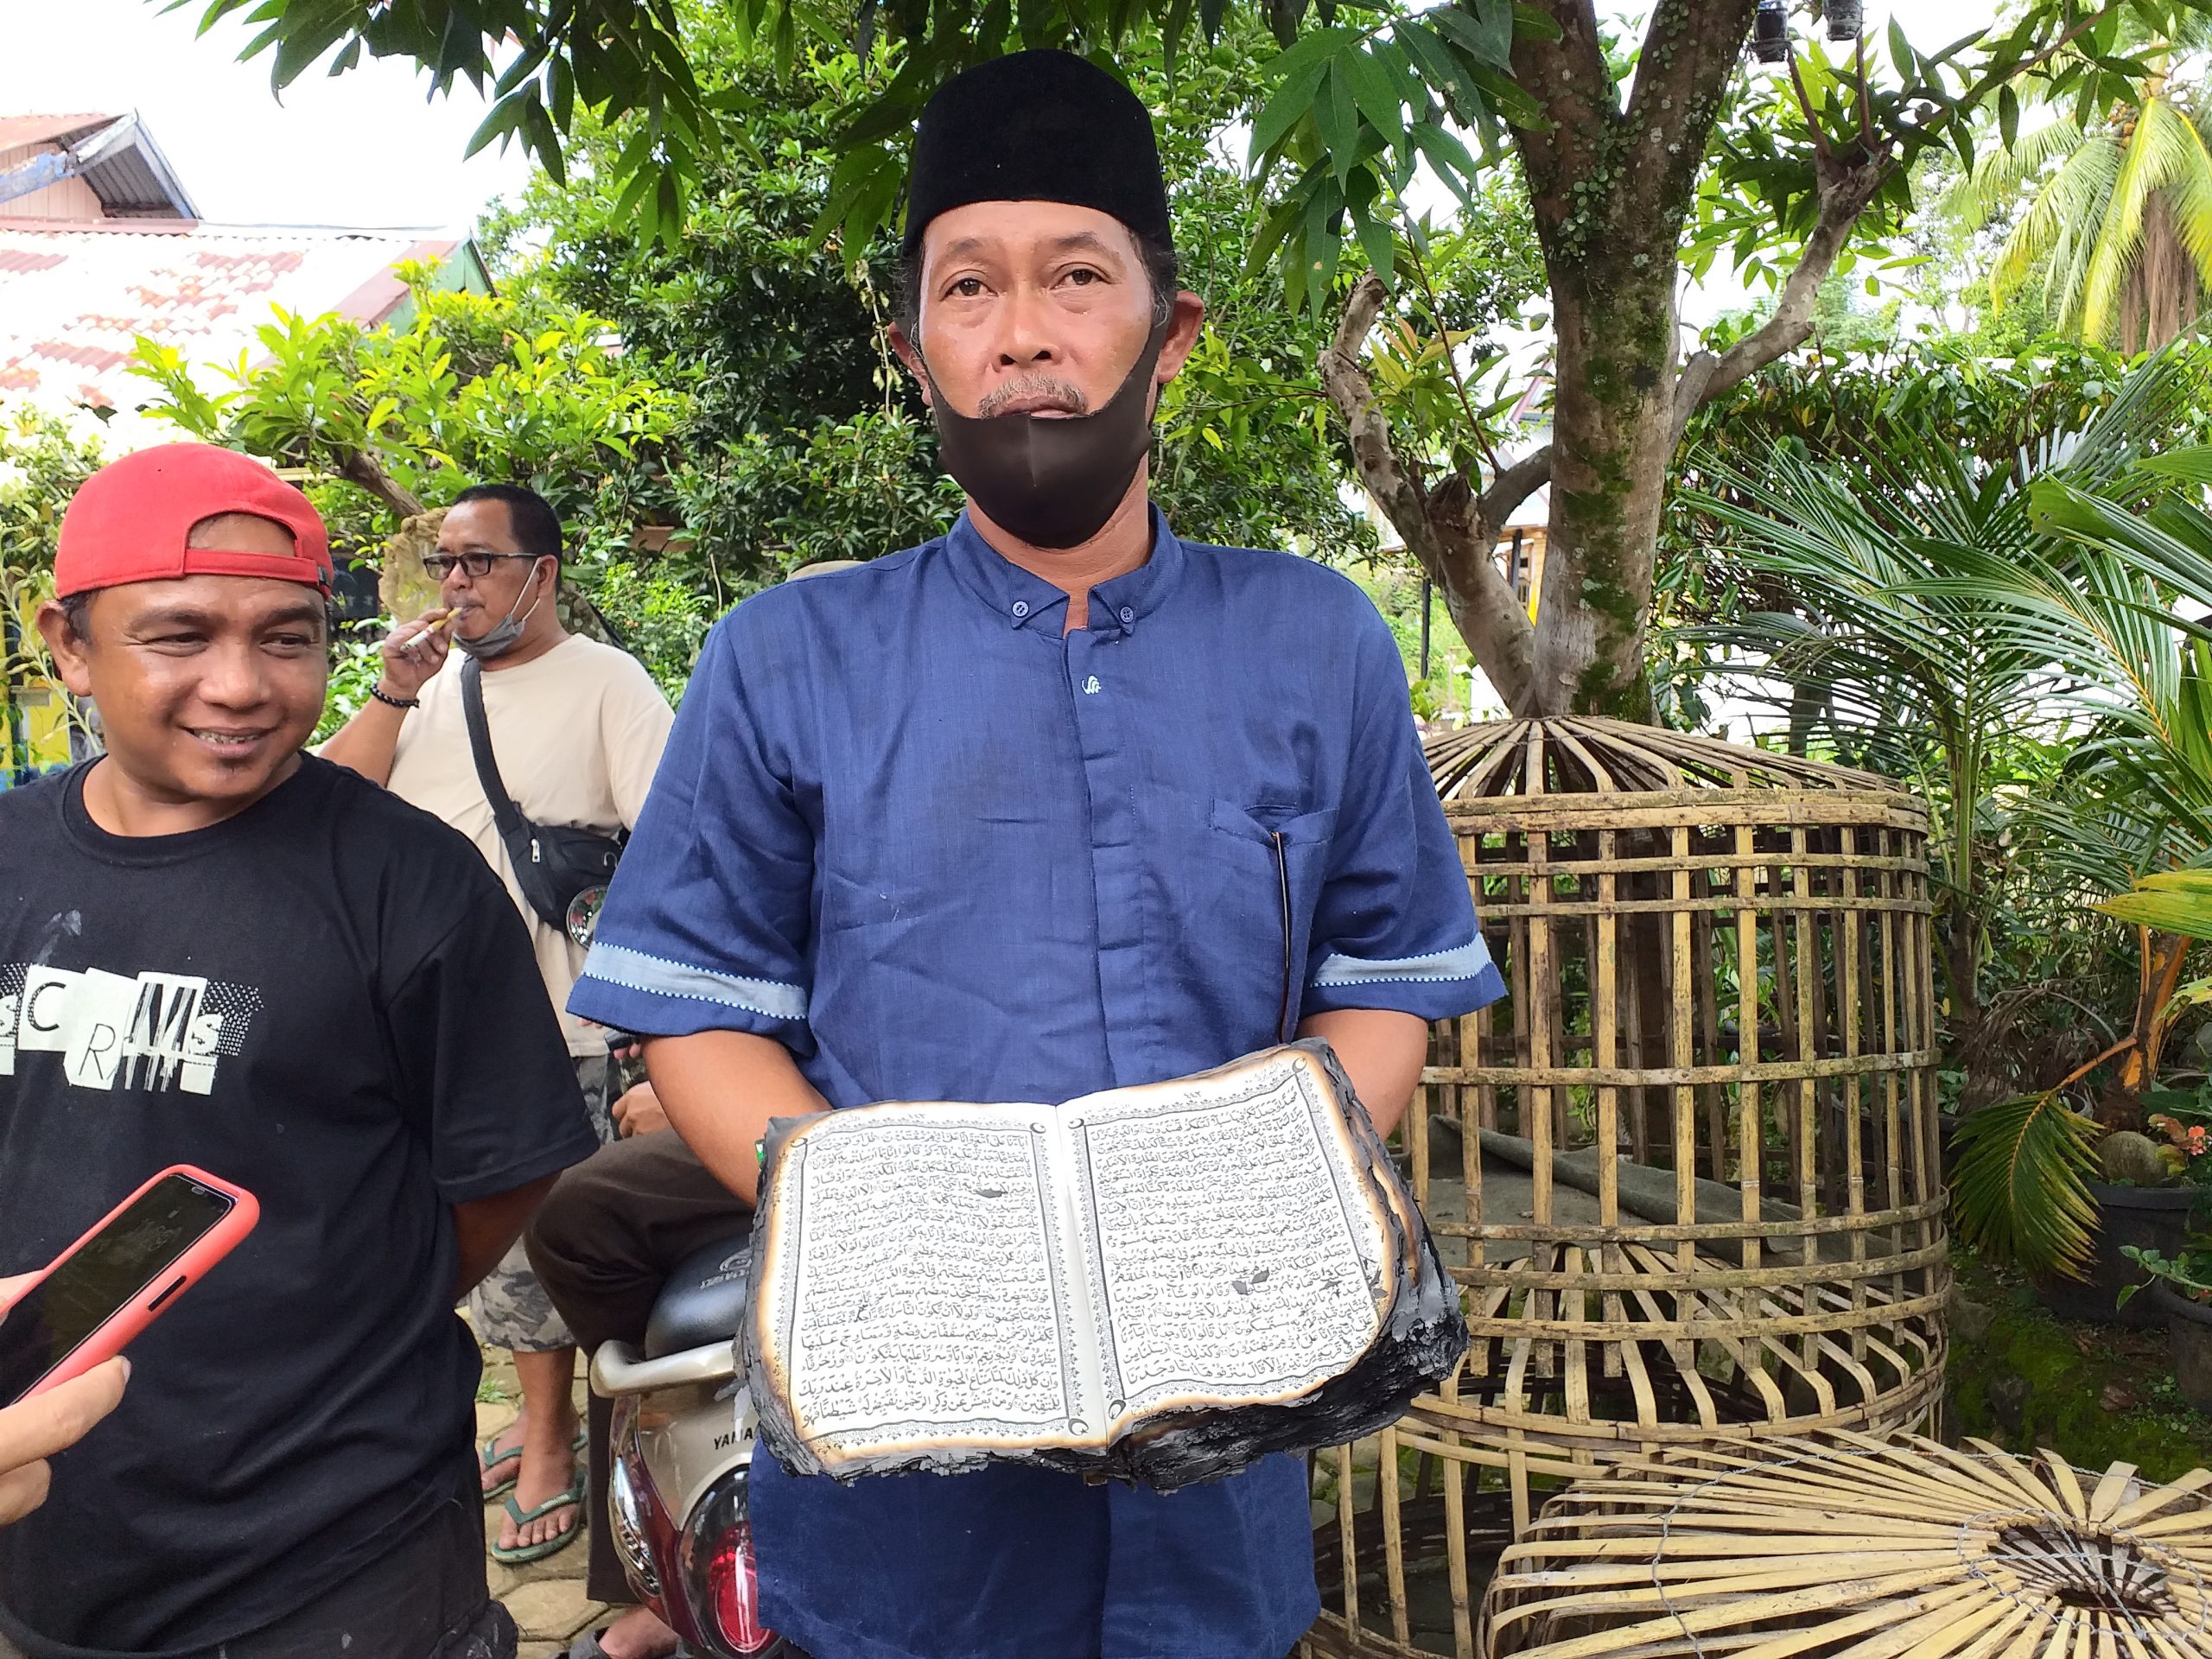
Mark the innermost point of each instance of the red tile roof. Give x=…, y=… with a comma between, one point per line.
x=74, y=296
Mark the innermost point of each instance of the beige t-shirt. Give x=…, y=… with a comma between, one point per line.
x=577, y=735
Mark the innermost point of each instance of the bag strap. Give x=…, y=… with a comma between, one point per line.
x=513, y=826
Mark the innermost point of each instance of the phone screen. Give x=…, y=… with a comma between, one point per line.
x=101, y=1277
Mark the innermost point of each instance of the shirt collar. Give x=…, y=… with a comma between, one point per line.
x=1025, y=600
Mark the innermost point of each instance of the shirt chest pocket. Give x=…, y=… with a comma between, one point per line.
x=1263, y=869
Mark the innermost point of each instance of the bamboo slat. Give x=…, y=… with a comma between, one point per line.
x=1718, y=982
x=1843, y=1547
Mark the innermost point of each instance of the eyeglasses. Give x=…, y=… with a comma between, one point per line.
x=440, y=565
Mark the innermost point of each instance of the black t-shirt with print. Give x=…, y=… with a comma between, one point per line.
x=329, y=1000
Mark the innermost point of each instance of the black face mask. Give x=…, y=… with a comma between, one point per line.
x=1053, y=480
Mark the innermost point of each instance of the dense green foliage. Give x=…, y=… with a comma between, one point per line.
x=1631, y=153
x=41, y=463
x=806, y=439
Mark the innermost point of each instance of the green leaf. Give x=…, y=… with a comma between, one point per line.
x=1338, y=114
x=2172, y=901
x=504, y=119
x=1292, y=100
x=1376, y=242
x=1534, y=24
x=2008, y=116
x=1900, y=48
x=1494, y=26
x=2020, y=1189
x=2192, y=464
x=1480, y=41
x=1315, y=49
x=1320, y=242
x=1372, y=92
x=1450, y=159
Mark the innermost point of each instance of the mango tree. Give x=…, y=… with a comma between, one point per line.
x=1627, y=161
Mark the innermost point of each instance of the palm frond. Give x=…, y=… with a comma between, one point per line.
x=2000, y=171
x=2060, y=223
x=2020, y=1193
x=2163, y=151
x=2189, y=199
x=2170, y=901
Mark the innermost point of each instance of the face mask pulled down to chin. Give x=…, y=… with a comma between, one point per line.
x=500, y=637
x=1052, y=480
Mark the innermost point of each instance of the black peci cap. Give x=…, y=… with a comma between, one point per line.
x=1037, y=126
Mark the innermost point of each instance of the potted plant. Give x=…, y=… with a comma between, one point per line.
x=2026, y=1185
x=2180, y=1288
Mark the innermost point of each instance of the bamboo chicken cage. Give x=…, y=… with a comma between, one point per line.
x=1686, y=1171
x=1847, y=1548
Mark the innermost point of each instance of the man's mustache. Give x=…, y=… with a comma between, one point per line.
x=1034, y=394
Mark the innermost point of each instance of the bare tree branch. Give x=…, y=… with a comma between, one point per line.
x=1458, y=559
x=1569, y=77
x=1512, y=487
x=1690, y=48
x=1845, y=193
x=362, y=467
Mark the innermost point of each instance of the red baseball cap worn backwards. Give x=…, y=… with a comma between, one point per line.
x=130, y=521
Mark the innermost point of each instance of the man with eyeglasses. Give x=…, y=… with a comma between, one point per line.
x=576, y=728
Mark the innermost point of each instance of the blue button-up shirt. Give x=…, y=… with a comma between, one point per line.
x=945, y=851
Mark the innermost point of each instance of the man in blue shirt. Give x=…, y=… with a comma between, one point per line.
x=1055, y=804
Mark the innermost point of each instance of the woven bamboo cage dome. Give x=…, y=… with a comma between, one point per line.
x=1686, y=1170
x=1847, y=1548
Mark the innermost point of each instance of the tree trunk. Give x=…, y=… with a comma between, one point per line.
x=1610, y=186
x=1961, y=972
x=1612, y=439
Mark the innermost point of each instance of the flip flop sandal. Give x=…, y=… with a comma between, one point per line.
x=487, y=1460
x=521, y=1554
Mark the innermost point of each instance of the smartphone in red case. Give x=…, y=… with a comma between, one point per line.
x=115, y=1281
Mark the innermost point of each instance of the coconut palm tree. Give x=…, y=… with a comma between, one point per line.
x=1912, y=672
x=1944, y=598
x=2120, y=219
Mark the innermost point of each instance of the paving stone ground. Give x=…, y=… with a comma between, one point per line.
x=546, y=1597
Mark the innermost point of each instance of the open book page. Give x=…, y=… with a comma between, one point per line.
x=1240, y=1250
x=913, y=1294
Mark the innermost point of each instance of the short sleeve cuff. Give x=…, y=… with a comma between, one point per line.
x=578, y=1145
x=657, y=996
x=1437, y=986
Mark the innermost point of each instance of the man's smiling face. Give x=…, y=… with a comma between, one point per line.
x=208, y=686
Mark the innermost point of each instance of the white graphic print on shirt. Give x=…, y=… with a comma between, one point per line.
x=154, y=1031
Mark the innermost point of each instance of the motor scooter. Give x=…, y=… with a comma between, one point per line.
x=681, y=1458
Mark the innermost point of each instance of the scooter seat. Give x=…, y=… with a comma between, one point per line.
x=703, y=1299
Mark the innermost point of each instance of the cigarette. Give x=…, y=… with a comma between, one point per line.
x=444, y=621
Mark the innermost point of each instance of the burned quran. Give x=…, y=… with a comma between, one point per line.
x=1158, y=1284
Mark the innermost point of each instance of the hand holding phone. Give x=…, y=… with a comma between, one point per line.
x=111, y=1283
x=31, y=1431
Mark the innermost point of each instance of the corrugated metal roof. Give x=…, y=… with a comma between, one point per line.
x=116, y=157
x=134, y=180
x=72, y=298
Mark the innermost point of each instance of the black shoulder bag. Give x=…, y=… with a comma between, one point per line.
x=564, y=871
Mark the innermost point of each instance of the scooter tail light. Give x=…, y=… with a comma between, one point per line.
x=734, y=1588
x=723, y=1582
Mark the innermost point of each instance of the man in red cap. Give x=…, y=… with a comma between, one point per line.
x=216, y=950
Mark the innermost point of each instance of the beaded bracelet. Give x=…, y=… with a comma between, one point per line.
x=391, y=701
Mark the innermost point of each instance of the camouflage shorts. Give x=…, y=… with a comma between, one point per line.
x=510, y=1309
